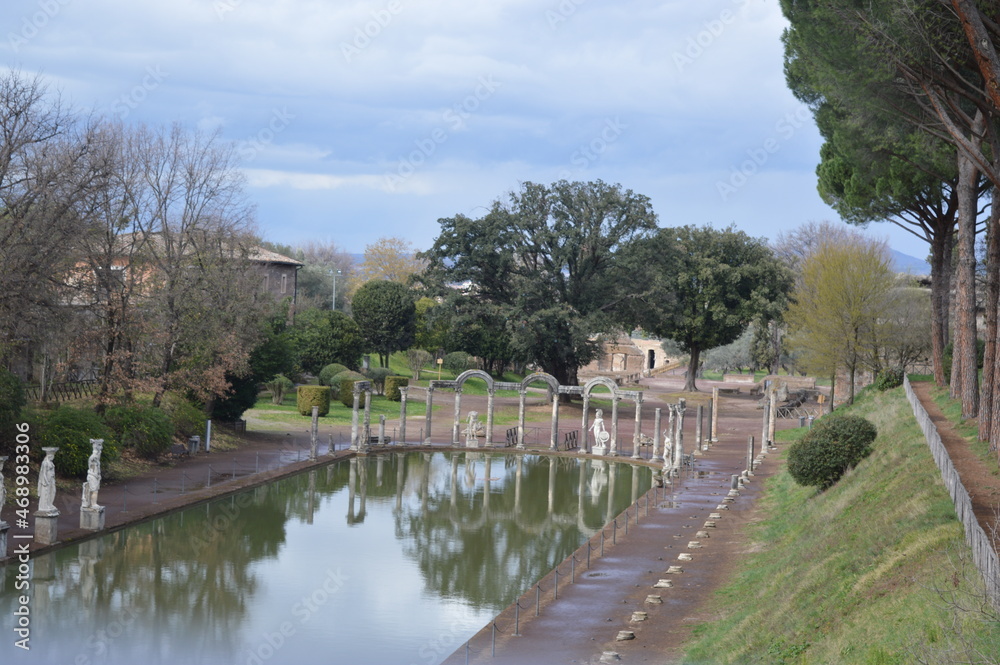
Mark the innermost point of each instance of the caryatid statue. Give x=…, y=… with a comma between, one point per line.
x=47, y=482
x=93, y=484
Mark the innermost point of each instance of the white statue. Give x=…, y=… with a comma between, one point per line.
x=601, y=435
x=47, y=483
x=93, y=484
x=474, y=428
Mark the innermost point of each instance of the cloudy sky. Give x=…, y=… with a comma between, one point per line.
x=368, y=118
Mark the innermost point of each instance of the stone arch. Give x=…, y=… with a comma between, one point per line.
x=600, y=381
x=553, y=384
x=474, y=373
x=540, y=376
x=585, y=425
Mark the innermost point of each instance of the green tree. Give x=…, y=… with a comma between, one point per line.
x=321, y=337
x=547, y=262
x=701, y=287
x=432, y=324
x=387, y=317
x=838, y=306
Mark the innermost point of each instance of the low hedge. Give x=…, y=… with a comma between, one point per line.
x=309, y=396
x=146, y=429
x=392, y=386
x=833, y=445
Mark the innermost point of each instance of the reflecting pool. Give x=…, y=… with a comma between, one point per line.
x=394, y=559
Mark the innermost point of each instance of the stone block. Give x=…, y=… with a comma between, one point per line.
x=47, y=527
x=92, y=519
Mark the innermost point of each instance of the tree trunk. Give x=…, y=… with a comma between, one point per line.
x=986, y=405
x=692, y=371
x=941, y=246
x=965, y=297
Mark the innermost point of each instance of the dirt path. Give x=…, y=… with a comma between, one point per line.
x=982, y=482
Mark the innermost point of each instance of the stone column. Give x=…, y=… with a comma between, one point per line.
x=368, y=421
x=750, y=452
x=427, y=417
x=772, y=418
x=584, y=439
x=314, y=433
x=613, y=451
x=381, y=433
x=767, y=415
x=354, y=419
x=554, y=438
x=520, y=418
x=656, y=436
x=669, y=450
x=489, y=416
x=679, y=438
x=456, y=427
x=47, y=516
x=715, y=414
x=403, y=391
x=637, y=435
x=699, y=440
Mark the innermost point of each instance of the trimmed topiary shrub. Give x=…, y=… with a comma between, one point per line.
x=71, y=430
x=189, y=420
x=829, y=449
x=146, y=429
x=337, y=379
x=392, y=386
x=888, y=379
x=378, y=375
x=309, y=396
x=347, y=391
x=328, y=372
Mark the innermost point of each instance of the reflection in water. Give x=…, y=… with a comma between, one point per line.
x=432, y=545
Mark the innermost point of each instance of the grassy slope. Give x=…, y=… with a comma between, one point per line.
x=849, y=575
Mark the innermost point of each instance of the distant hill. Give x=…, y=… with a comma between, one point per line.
x=909, y=264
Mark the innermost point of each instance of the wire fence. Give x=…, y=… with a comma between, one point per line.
x=984, y=554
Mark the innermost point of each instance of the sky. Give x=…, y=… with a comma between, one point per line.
x=363, y=119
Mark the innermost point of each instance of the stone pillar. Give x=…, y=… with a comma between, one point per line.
x=368, y=422
x=489, y=416
x=554, y=438
x=47, y=515
x=613, y=451
x=699, y=440
x=750, y=452
x=715, y=414
x=679, y=438
x=403, y=390
x=656, y=436
x=381, y=433
x=669, y=450
x=636, y=436
x=767, y=415
x=584, y=439
x=772, y=418
x=522, y=396
x=354, y=419
x=314, y=433
x=456, y=427
x=427, y=417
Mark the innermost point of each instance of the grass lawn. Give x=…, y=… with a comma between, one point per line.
x=287, y=413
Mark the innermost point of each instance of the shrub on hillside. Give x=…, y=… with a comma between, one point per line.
x=378, y=375
x=347, y=391
x=338, y=378
x=328, y=372
x=833, y=445
x=189, y=419
x=392, y=386
x=71, y=430
x=278, y=386
x=309, y=396
x=888, y=379
x=457, y=361
x=146, y=429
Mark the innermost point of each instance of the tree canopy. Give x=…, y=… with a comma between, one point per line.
x=386, y=314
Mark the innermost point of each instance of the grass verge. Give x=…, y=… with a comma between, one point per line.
x=874, y=570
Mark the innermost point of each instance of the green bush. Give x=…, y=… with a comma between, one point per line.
x=71, y=430
x=309, y=396
x=189, y=419
x=378, y=375
x=888, y=379
x=392, y=386
x=338, y=378
x=347, y=392
x=833, y=445
x=146, y=429
x=329, y=372
x=11, y=402
x=457, y=361
x=278, y=386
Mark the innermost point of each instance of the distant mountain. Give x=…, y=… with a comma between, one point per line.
x=909, y=264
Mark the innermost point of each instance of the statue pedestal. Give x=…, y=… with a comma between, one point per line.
x=4, y=528
x=599, y=449
x=47, y=527
x=471, y=442
x=92, y=519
